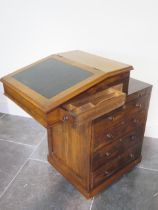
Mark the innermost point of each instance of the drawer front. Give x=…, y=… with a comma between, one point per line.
x=137, y=105
x=139, y=94
x=113, y=150
x=112, y=134
x=110, y=128
x=118, y=116
x=113, y=166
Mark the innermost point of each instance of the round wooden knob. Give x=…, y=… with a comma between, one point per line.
x=120, y=140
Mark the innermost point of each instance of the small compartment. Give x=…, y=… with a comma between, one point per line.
x=93, y=106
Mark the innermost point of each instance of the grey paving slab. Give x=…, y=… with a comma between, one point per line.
x=42, y=151
x=1, y=114
x=149, y=154
x=12, y=157
x=154, y=203
x=134, y=191
x=21, y=129
x=40, y=187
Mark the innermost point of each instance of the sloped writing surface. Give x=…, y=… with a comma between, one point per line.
x=51, y=77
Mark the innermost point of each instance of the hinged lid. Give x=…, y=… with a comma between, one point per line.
x=55, y=79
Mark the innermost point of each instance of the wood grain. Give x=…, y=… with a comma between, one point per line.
x=47, y=105
x=95, y=128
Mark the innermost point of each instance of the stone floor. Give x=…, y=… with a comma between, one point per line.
x=28, y=182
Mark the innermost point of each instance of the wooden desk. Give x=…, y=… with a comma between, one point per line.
x=95, y=118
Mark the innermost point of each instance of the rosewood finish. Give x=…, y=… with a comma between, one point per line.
x=94, y=113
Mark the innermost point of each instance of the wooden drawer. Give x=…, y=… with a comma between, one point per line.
x=121, y=114
x=140, y=104
x=90, y=107
x=139, y=94
x=107, y=135
x=111, y=151
x=110, y=127
x=113, y=166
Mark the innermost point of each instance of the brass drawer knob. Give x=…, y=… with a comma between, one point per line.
x=140, y=94
x=122, y=122
x=107, y=154
x=109, y=136
x=110, y=118
x=124, y=107
x=106, y=173
x=131, y=155
x=133, y=137
x=119, y=157
x=136, y=120
x=138, y=105
x=65, y=118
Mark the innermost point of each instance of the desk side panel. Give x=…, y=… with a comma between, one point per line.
x=70, y=151
x=26, y=105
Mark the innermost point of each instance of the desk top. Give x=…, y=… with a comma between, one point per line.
x=57, y=78
x=51, y=77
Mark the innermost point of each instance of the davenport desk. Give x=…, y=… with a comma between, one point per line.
x=94, y=113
